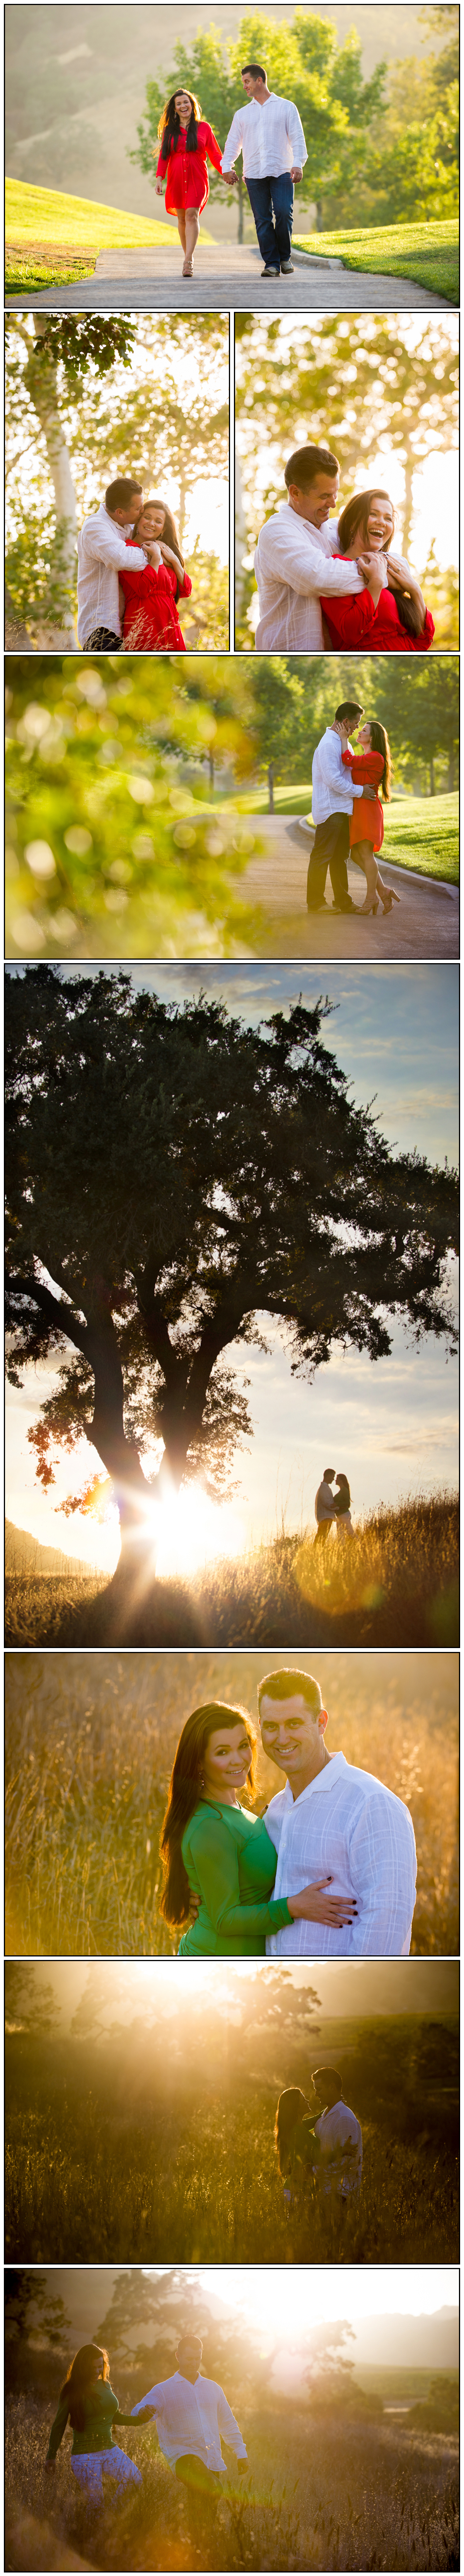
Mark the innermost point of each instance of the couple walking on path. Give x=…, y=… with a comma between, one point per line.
x=191, y=2414
x=328, y=1872
x=269, y=134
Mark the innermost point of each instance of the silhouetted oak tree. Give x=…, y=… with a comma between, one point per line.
x=173, y=1177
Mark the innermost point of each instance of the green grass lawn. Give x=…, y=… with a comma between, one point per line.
x=427, y=253
x=36, y=218
x=421, y=832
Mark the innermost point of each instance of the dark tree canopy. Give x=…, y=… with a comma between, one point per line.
x=172, y=1177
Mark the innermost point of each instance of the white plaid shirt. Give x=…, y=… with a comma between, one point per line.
x=348, y=1824
x=192, y=2416
x=270, y=137
x=336, y=2130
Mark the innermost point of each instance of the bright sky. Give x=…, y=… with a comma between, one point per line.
x=207, y=506
x=393, y=1426
x=161, y=1986
x=435, y=485
x=286, y=2301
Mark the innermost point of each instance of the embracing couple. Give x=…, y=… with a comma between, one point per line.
x=335, y=583
x=328, y=1872
x=131, y=573
x=346, y=808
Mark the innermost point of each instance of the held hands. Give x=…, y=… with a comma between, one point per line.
x=145, y=2415
x=312, y=1905
x=49, y=2464
x=230, y=177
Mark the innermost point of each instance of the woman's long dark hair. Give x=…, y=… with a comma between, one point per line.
x=170, y=532
x=353, y=523
x=185, y=1789
x=169, y=124
x=79, y=2378
x=380, y=742
x=291, y=2108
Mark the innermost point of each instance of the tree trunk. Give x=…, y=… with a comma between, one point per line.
x=319, y=222
x=451, y=772
x=211, y=768
x=270, y=781
x=409, y=468
x=240, y=210
x=41, y=381
x=432, y=773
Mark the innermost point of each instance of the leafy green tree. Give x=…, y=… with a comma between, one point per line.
x=30, y=2308
x=427, y=716
x=30, y=2005
x=89, y=397
x=112, y=845
x=172, y=1177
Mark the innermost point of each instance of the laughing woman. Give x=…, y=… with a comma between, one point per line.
x=219, y=1852
x=186, y=144
x=148, y=600
x=90, y=2403
x=389, y=614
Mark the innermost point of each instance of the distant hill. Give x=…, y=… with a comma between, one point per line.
x=430, y=2341
x=25, y=1556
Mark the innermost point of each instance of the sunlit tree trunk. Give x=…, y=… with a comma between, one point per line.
x=41, y=380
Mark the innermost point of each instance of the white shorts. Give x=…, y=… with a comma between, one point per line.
x=90, y=2467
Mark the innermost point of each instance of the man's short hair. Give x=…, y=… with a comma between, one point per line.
x=346, y=715
x=120, y=493
x=256, y=70
x=306, y=463
x=291, y=1685
x=320, y=2073
x=189, y=2337
x=327, y=1475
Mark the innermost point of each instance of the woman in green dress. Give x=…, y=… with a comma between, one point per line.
x=90, y=2403
x=297, y=2149
x=218, y=1851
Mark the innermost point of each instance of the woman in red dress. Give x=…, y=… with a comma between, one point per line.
x=185, y=140
x=148, y=600
x=389, y=614
x=372, y=768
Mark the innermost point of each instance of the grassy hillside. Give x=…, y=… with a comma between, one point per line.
x=427, y=253
x=45, y=232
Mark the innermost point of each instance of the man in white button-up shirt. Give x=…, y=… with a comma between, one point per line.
x=332, y=804
x=333, y=1827
x=339, y=2136
x=269, y=134
x=101, y=555
x=192, y=2414
x=293, y=559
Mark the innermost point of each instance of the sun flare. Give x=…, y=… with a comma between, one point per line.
x=189, y=1530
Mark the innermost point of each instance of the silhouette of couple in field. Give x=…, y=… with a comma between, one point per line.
x=333, y=1507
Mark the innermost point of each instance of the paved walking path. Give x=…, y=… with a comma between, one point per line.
x=425, y=922
x=144, y=281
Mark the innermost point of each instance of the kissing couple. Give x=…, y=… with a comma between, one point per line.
x=328, y=1871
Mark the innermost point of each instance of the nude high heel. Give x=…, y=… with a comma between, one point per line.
x=390, y=897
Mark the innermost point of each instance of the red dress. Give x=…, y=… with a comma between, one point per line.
x=366, y=820
x=187, y=180
x=356, y=621
x=151, y=621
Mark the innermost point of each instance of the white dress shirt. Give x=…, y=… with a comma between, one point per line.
x=336, y=2130
x=348, y=1824
x=324, y=1503
x=270, y=137
x=293, y=566
x=192, y=2416
x=330, y=784
x=101, y=556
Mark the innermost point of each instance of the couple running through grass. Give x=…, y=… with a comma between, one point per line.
x=328, y=1872
x=268, y=132
x=191, y=2414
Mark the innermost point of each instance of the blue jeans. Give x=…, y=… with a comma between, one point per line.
x=270, y=197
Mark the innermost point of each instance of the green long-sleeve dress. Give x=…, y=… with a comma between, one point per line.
x=99, y=2408
x=231, y=1865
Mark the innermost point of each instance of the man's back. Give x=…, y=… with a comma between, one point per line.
x=340, y=2141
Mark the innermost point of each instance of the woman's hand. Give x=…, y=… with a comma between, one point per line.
x=145, y=2415
x=170, y=557
x=49, y=2464
x=374, y=569
x=159, y=183
x=409, y=588
x=312, y=1905
x=153, y=554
